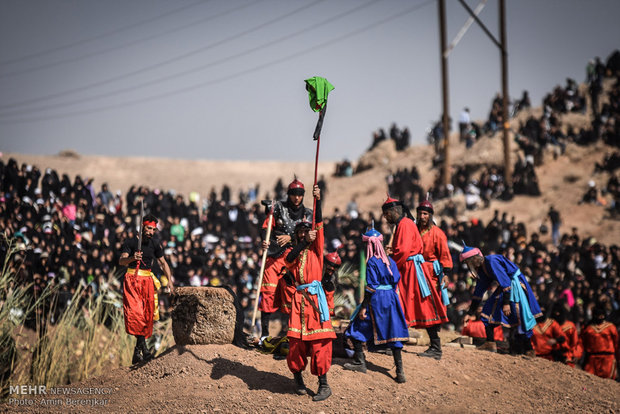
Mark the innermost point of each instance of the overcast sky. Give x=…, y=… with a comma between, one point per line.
x=223, y=79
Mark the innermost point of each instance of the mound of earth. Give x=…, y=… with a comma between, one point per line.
x=224, y=378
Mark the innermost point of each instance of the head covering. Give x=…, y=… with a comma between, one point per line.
x=333, y=259
x=426, y=206
x=296, y=187
x=469, y=252
x=389, y=203
x=392, y=202
x=374, y=247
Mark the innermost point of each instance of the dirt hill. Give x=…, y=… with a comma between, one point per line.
x=223, y=378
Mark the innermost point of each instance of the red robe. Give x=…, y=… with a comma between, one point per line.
x=600, y=343
x=435, y=247
x=308, y=336
x=575, y=349
x=542, y=333
x=419, y=312
x=275, y=294
x=139, y=302
x=476, y=329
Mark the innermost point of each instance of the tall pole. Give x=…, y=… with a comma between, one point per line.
x=506, y=126
x=444, y=92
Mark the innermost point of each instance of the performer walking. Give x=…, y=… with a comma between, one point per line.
x=512, y=304
x=379, y=320
x=138, y=286
x=275, y=294
x=435, y=251
x=420, y=300
x=310, y=332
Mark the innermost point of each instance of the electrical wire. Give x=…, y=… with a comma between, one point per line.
x=224, y=78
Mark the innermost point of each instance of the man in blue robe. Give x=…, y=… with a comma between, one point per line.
x=379, y=320
x=512, y=304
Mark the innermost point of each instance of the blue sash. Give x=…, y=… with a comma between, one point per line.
x=438, y=268
x=517, y=295
x=357, y=309
x=418, y=259
x=316, y=288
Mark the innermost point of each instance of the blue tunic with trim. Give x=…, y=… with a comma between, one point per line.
x=496, y=268
x=385, y=323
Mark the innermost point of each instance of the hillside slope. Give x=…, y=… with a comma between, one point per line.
x=223, y=378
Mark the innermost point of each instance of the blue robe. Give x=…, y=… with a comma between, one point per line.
x=501, y=270
x=385, y=323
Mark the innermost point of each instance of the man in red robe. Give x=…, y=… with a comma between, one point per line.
x=310, y=332
x=420, y=299
x=548, y=340
x=600, y=344
x=573, y=342
x=435, y=251
x=274, y=293
x=138, y=286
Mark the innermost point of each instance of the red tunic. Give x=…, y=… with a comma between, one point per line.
x=476, y=329
x=304, y=322
x=435, y=246
x=575, y=349
x=138, y=302
x=419, y=312
x=600, y=343
x=542, y=333
x=275, y=294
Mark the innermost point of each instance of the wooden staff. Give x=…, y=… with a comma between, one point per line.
x=140, y=236
x=263, y=261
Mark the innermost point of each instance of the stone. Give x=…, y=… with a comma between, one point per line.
x=203, y=316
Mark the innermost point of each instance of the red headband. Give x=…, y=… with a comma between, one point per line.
x=150, y=223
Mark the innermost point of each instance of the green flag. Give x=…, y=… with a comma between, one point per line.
x=318, y=88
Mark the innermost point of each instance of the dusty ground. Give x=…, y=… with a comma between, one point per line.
x=223, y=378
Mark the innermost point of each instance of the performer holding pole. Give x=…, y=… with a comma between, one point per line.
x=310, y=332
x=138, y=286
x=277, y=235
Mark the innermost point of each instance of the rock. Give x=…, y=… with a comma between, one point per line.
x=203, y=315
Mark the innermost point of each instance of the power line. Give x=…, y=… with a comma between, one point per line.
x=101, y=36
x=224, y=78
x=150, y=67
x=123, y=46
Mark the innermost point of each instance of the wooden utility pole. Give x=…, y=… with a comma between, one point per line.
x=505, y=96
x=444, y=88
x=501, y=44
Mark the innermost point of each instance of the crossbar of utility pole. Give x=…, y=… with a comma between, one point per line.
x=464, y=29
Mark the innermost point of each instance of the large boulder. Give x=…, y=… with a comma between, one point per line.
x=203, y=315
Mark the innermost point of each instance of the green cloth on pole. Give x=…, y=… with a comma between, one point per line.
x=362, y=275
x=318, y=88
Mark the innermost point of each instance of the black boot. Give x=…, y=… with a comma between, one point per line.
x=324, y=391
x=137, y=356
x=147, y=355
x=358, y=364
x=300, y=387
x=434, y=351
x=398, y=361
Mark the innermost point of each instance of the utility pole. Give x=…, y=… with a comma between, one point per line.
x=444, y=88
x=506, y=121
x=504, y=62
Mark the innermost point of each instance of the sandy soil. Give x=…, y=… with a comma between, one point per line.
x=223, y=378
